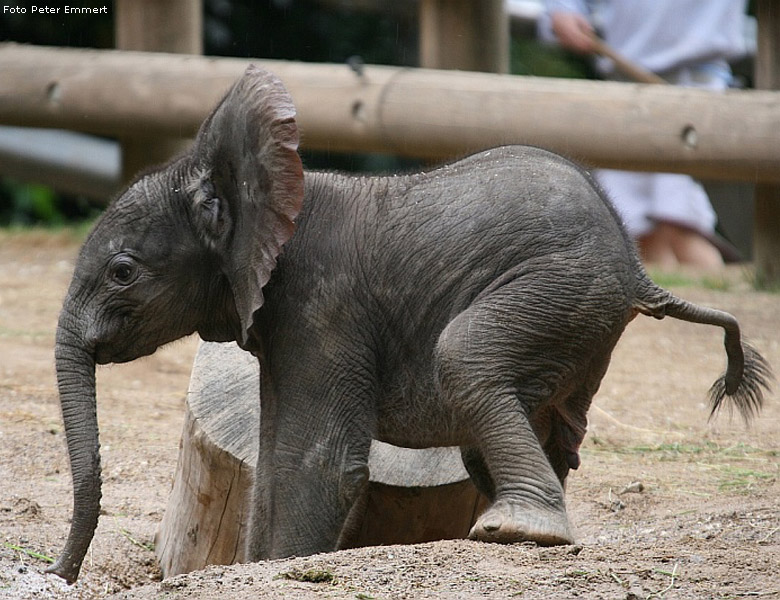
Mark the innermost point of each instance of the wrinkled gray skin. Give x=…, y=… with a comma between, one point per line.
x=474, y=305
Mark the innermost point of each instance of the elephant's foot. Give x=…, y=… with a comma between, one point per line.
x=505, y=523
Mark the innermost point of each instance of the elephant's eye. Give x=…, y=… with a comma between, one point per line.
x=123, y=271
x=211, y=209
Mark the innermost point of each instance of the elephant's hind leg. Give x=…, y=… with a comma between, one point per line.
x=529, y=502
x=495, y=368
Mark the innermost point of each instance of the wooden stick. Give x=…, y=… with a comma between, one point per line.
x=631, y=70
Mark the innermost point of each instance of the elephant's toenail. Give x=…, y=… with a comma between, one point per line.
x=491, y=525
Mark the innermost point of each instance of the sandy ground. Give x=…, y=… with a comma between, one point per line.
x=705, y=525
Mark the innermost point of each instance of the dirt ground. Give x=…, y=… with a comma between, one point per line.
x=665, y=504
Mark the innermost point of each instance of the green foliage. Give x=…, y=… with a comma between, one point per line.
x=26, y=204
x=672, y=279
x=531, y=57
x=738, y=479
x=30, y=204
x=28, y=552
x=675, y=450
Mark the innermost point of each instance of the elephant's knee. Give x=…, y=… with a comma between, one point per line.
x=451, y=355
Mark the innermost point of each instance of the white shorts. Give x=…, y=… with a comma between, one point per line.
x=645, y=199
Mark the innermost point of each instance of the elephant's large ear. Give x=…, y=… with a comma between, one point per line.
x=248, y=184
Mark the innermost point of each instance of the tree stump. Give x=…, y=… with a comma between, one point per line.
x=414, y=495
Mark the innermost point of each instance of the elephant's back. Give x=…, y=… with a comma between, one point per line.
x=493, y=212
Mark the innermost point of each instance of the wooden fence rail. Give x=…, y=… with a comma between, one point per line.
x=413, y=112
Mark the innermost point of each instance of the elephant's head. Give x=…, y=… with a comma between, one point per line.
x=185, y=249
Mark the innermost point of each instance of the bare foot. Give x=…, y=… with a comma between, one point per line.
x=506, y=523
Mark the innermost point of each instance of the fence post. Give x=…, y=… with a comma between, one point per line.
x=463, y=34
x=767, y=218
x=156, y=26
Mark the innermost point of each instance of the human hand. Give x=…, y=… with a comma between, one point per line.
x=573, y=31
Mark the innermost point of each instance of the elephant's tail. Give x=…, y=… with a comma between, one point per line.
x=748, y=375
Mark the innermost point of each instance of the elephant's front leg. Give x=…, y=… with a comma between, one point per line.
x=312, y=466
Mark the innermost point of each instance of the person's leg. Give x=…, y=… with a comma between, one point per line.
x=655, y=248
x=692, y=248
x=670, y=245
x=667, y=214
x=684, y=218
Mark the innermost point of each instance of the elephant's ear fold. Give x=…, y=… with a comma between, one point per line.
x=248, y=184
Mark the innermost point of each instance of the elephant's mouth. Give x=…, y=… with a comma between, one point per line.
x=108, y=353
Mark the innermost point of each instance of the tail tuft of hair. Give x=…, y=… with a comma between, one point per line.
x=745, y=392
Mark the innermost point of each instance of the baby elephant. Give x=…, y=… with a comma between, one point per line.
x=475, y=305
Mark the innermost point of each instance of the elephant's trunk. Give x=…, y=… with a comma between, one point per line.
x=76, y=382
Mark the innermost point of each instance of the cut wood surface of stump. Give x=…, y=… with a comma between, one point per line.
x=414, y=495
